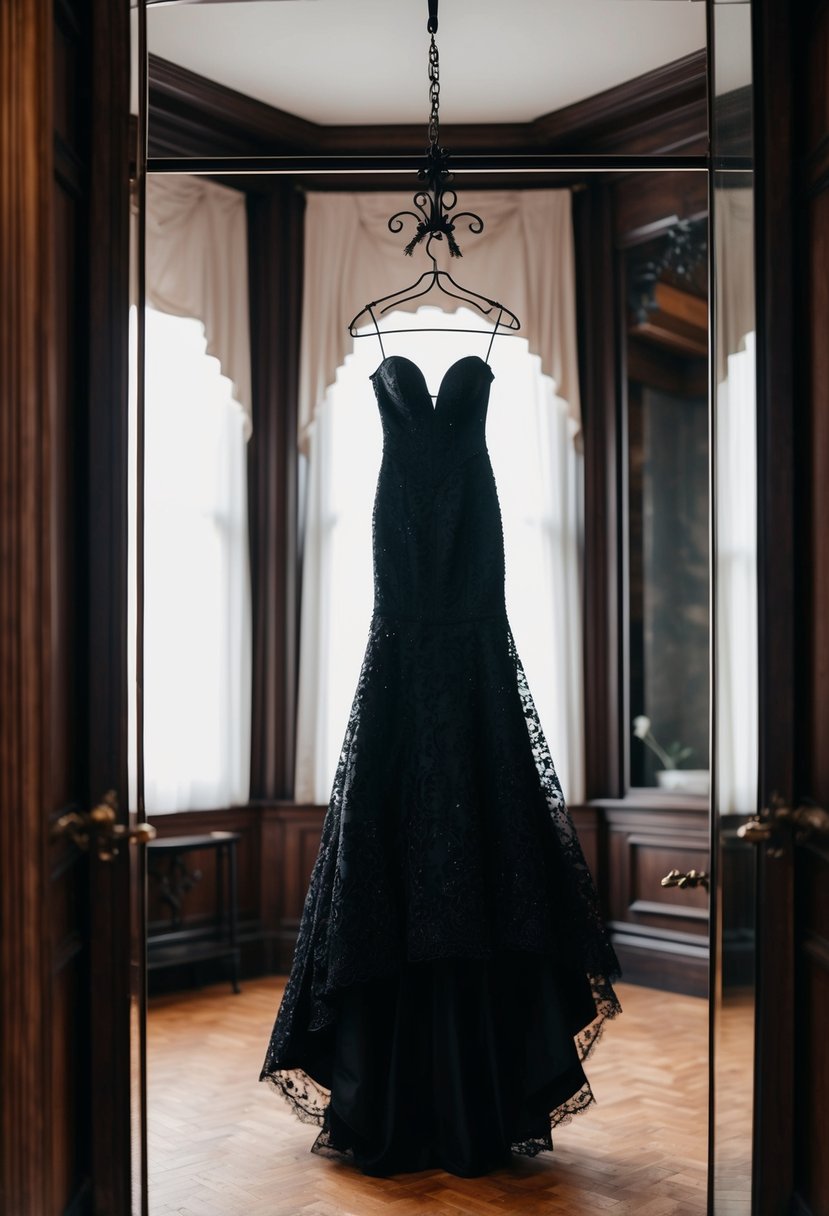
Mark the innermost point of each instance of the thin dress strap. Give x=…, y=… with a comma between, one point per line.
x=494, y=332
x=377, y=327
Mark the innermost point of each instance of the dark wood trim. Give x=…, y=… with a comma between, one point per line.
x=663, y=111
x=115, y=890
x=598, y=364
x=779, y=557
x=646, y=205
x=27, y=403
x=275, y=227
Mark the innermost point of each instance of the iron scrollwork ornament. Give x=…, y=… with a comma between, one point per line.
x=437, y=200
x=683, y=257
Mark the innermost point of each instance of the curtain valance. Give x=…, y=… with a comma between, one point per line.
x=525, y=257
x=197, y=266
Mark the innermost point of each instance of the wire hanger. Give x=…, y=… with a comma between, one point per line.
x=434, y=222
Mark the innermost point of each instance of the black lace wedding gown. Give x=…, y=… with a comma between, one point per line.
x=452, y=970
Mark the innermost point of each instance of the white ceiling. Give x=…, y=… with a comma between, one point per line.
x=365, y=61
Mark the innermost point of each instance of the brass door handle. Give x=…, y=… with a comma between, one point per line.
x=98, y=830
x=693, y=878
x=778, y=826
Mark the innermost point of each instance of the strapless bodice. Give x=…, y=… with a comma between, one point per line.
x=438, y=540
x=434, y=438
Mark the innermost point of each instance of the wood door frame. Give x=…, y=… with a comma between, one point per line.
x=26, y=404
x=117, y=965
x=777, y=387
x=29, y=539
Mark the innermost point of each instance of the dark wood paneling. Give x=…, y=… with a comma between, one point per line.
x=660, y=934
x=599, y=334
x=778, y=561
x=275, y=857
x=201, y=901
x=812, y=1048
x=275, y=227
x=791, y=1169
x=645, y=204
x=63, y=336
x=811, y=940
x=590, y=827
x=662, y=111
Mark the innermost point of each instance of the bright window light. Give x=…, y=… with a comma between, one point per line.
x=530, y=441
x=196, y=578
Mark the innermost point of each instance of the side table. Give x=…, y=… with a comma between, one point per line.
x=166, y=867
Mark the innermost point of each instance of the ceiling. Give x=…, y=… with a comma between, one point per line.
x=365, y=61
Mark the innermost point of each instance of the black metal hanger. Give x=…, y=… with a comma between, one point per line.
x=434, y=222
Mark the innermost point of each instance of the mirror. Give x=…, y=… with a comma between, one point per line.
x=215, y=68
x=668, y=517
x=735, y=667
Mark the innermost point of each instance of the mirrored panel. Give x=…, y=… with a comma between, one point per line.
x=270, y=77
x=735, y=608
x=667, y=509
x=323, y=76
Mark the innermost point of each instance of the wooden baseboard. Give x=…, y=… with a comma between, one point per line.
x=668, y=966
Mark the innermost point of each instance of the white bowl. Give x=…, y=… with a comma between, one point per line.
x=684, y=780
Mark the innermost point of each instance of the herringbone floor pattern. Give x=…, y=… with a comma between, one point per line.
x=222, y=1144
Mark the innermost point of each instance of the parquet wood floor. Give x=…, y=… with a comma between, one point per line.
x=223, y=1144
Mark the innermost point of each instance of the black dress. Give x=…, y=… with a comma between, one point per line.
x=452, y=969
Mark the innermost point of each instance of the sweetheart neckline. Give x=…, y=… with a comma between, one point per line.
x=444, y=378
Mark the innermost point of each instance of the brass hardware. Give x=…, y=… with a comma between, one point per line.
x=694, y=878
x=778, y=826
x=99, y=830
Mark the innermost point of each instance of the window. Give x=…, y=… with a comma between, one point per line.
x=197, y=655
x=530, y=441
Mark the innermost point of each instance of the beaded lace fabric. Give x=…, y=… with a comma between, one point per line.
x=446, y=836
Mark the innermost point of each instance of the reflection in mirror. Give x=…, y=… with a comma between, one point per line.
x=666, y=417
x=668, y=456
x=735, y=611
x=529, y=85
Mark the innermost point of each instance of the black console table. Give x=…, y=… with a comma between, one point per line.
x=174, y=944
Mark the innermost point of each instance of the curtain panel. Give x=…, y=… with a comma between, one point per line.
x=197, y=266
x=197, y=615
x=525, y=257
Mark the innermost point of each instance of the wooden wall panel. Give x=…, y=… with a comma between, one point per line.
x=275, y=228
x=275, y=856
x=660, y=934
x=644, y=204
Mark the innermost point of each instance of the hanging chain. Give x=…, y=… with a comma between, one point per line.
x=434, y=93
x=436, y=202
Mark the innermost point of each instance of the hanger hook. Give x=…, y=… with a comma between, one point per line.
x=433, y=236
x=432, y=23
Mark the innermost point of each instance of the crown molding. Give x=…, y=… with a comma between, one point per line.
x=660, y=112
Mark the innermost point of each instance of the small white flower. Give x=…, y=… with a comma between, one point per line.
x=641, y=726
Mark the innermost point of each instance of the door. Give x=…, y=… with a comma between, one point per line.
x=792, y=1114
x=72, y=980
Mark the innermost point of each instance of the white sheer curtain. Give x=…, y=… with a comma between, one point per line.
x=197, y=633
x=530, y=438
x=525, y=257
x=197, y=266
x=197, y=630
x=737, y=708
x=736, y=572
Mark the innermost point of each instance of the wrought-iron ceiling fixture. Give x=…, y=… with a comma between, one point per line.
x=434, y=222
x=435, y=203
